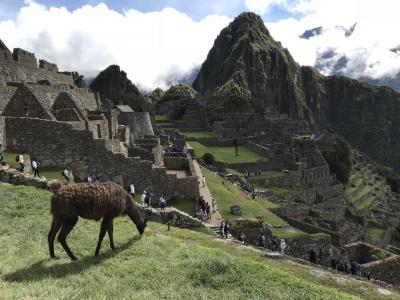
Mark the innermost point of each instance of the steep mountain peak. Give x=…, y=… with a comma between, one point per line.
x=113, y=84
x=246, y=63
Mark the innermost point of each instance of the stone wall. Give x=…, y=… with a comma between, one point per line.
x=58, y=144
x=301, y=246
x=259, y=149
x=312, y=229
x=139, y=123
x=176, y=163
x=6, y=92
x=174, y=217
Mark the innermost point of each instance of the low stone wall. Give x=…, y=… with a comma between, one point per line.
x=313, y=229
x=301, y=246
x=261, y=150
x=12, y=176
x=174, y=217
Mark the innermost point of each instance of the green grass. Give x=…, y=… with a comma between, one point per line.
x=175, y=264
x=185, y=205
x=198, y=134
x=227, y=154
x=162, y=119
x=9, y=157
x=375, y=233
x=227, y=195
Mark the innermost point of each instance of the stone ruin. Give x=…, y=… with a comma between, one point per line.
x=43, y=113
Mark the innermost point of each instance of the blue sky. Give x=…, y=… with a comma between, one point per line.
x=196, y=9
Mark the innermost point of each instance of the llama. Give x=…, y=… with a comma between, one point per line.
x=90, y=201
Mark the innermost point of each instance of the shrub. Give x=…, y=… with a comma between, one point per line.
x=209, y=159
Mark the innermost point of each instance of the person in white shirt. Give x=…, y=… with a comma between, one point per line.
x=142, y=198
x=204, y=181
x=35, y=168
x=132, y=190
x=65, y=174
x=162, y=202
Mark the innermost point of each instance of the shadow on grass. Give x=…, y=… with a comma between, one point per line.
x=39, y=271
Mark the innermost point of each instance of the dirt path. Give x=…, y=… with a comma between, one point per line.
x=205, y=192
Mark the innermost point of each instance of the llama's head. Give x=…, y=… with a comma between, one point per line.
x=141, y=227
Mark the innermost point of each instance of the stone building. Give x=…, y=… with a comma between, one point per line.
x=43, y=113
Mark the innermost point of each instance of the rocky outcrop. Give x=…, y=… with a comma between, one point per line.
x=113, y=84
x=246, y=63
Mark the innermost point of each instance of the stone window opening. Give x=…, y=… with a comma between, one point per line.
x=25, y=109
x=98, y=131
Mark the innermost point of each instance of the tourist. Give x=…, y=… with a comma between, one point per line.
x=203, y=180
x=89, y=178
x=20, y=159
x=142, y=198
x=333, y=264
x=253, y=195
x=132, y=190
x=162, y=202
x=147, y=200
x=208, y=211
x=226, y=229
x=213, y=204
x=283, y=246
x=242, y=237
x=221, y=227
x=35, y=168
x=312, y=256
x=1, y=153
x=203, y=206
x=353, y=268
x=261, y=241
x=246, y=174
x=65, y=174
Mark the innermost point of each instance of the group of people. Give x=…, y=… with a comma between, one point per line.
x=202, y=181
x=224, y=228
x=355, y=268
x=206, y=208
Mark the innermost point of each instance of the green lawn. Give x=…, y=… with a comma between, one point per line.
x=175, y=264
x=227, y=154
x=227, y=195
x=198, y=134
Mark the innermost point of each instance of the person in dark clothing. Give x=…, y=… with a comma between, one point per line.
x=345, y=268
x=320, y=256
x=1, y=154
x=312, y=256
x=353, y=268
x=333, y=264
x=147, y=199
x=226, y=228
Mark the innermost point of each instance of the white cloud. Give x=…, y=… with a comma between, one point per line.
x=262, y=6
x=367, y=49
x=145, y=45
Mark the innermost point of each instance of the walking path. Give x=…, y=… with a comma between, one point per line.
x=205, y=192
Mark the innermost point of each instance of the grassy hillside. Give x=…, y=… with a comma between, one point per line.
x=176, y=264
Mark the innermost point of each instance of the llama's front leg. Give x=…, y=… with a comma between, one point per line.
x=55, y=227
x=103, y=229
x=66, y=228
x=110, y=234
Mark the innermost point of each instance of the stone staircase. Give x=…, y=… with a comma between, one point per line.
x=217, y=232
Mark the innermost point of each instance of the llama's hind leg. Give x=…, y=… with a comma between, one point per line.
x=110, y=234
x=55, y=227
x=66, y=228
x=103, y=229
